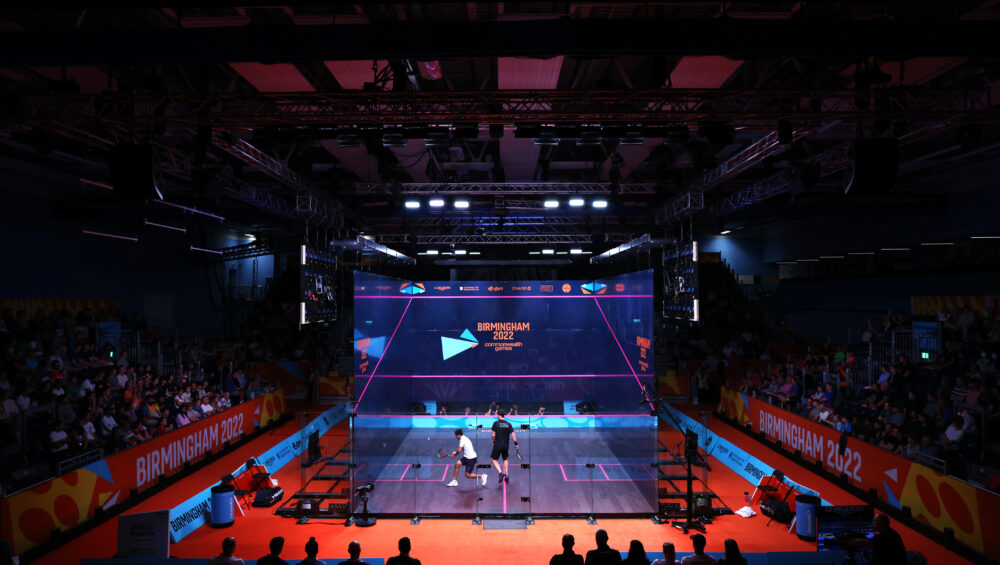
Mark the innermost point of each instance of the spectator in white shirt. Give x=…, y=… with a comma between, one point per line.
x=206, y=406
x=24, y=399
x=58, y=438
x=8, y=408
x=953, y=434
x=108, y=424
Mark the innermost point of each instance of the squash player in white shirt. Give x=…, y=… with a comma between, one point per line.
x=468, y=459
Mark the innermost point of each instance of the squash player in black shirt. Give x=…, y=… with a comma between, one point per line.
x=503, y=431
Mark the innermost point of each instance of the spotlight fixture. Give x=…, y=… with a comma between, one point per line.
x=461, y=204
x=576, y=202
x=432, y=251
x=576, y=251
x=460, y=252
x=548, y=251
x=436, y=203
x=725, y=232
x=600, y=203
x=551, y=203
x=412, y=204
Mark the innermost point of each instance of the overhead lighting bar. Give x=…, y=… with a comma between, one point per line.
x=412, y=204
x=164, y=226
x=895, y=249
x=534, y=252
x=111, y=235
x=366, y=242
x=986, y=237
x=576, y=251
x=640, y=241
x=460, y=252
x=551, y=203
x=560, y=253
x=787, y=262
x=576, y=202
x=933, y=243
x=725, y=232
x=548, y=251
x=808, y=260
x=203, y=250
x=436, y=203
x=475, y=253
x=189, y=209
x=600, y=203
x=461, y=204
x=861, y=253
x=831, y=256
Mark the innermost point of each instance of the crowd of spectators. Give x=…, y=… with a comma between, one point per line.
x=61, y=394
x=935, y=412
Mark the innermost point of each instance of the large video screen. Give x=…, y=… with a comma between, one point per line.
x=503, y=334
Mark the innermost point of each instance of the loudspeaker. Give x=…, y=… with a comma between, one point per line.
x=132, y=171
x=874, y=165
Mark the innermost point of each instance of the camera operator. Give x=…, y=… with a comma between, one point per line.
x=887, y=545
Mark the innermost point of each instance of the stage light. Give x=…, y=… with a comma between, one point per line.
x=985, y=237
x=111, y=235
x=725, y=232
x=462, y=204
x=576, y=251
x=861, y=253
x=929, y=243
x=460, y=252
x=576, y=202
x=474, y=253
x=436, y=203
x=393, y=140
x=551, y=203
x=809, y=260
x=432, y=251
x=895, y=249
x=786, y=262
x=412, y=204
x=534, y=252
x=831, y=256
x=164, y=226
x=548, y=251
x=600, y=203
x=203, y=250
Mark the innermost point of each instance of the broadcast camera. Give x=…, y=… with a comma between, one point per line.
x=365, y=489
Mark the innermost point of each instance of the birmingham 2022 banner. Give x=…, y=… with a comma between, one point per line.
x=936, y=499
x=29, y=517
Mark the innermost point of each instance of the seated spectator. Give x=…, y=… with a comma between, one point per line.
x=843, y=425
x=206, y=407
x=636, y=554
x=733, y=555
x=698, y=557
x=959, y=391
x=227, y=557
x=354, y=551
x=828, y=395
x=669, y=555
x=59, y=439
x=312, y=548
x=108, y=424
x=603, y=554
x=568, y=556
x=404, y=554
x=953, y=435
x=8, y=407
x=182, y=419
x=274, y=558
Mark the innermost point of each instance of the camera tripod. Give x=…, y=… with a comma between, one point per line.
x=365, y=520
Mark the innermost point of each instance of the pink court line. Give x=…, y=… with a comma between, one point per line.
x=504, y=498
x=620, y=348
x=444, y=475
x=502, y=376
x=384, y=351
x=404, y=472
x=491, y=417
x=606, y=477
x=371, y=296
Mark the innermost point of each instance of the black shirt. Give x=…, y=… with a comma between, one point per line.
x=566, y=559
x=400, y=560
x=603, y=556
x=502, y=429
x=888, y=548
x=271, y=560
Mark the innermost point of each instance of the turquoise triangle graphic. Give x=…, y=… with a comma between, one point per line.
x=101, y=469
x=468, y=335
x=451, y=347
x=594, y=287
x=892, y=498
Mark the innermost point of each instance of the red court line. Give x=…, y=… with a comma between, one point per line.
x=620, y=348
x=384, y=352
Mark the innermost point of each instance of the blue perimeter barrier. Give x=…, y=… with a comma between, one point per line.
x=742, y=463
x=195, y=512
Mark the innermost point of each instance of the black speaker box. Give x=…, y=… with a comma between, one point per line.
x=874, y=167
x=266, y=497
x=132, y=171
